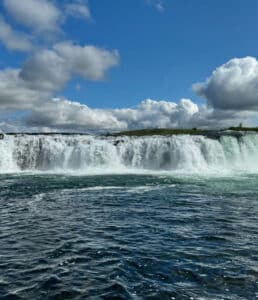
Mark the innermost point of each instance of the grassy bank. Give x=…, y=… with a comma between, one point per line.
x=193, y=131
x=236, y=131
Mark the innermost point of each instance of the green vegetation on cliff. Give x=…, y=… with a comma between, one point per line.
x=193, y=131
x=213, y=133
x=159, y=131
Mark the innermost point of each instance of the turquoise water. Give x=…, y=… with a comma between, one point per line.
x=129, y=236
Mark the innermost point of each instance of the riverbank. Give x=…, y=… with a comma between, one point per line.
x=212, y=133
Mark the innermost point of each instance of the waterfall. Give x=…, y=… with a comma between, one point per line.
x=84, y=153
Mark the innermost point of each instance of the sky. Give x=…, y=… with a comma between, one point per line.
x=78, y=65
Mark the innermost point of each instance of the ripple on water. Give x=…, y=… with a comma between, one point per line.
x=128, y=238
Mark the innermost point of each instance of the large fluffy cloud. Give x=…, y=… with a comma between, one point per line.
x=232, y=86
x=89, y=62
x=45, y=17
x=51, y=69
x=47, y=72
x=151, y=113
x=15, y=93
x=39, y=15
x=42, y=19
x=64, y=114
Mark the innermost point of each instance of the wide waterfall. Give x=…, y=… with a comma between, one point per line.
x=86, y=153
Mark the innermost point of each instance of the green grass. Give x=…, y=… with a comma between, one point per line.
x=163, y=131
x=159, y=131
x=171, y=131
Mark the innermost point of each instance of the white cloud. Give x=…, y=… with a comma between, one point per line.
x=61, y=113
x=150, y=113
x=48, y=71
x=45, y=70
x=232, y=86
x=18, y=94
x=12, y=39
x=231, y=92
x=65, y=114
x=78, y=9
x=89, y=62
x=43, y=19
x=38, y=15
x=51, y=69
x=15, y=94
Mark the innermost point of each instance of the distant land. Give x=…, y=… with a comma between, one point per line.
x=236, y=131
x=213, y=133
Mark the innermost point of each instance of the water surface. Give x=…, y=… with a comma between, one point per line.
x=129, y=236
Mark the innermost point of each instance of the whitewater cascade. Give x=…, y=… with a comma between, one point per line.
x=84, y=153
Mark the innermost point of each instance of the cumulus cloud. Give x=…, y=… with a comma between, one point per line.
x=89, y=62
x=232, y=86
x=78, y=9
x=65, y=114
x=62, y=114
x=151, y=113
x=15, y=93
x=42, y=113
x=12, y=39
x=43, y=19
x=208, y=118
x=47, y=72
x=38, y=15
x=51, y=69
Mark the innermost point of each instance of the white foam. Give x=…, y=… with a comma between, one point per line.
x=93, y=155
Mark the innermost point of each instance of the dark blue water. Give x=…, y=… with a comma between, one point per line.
x=128, y=237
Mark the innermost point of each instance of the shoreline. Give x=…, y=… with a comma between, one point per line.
x=210, y=133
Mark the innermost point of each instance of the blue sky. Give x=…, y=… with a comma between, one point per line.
x=163, y=54
x=163, y=50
